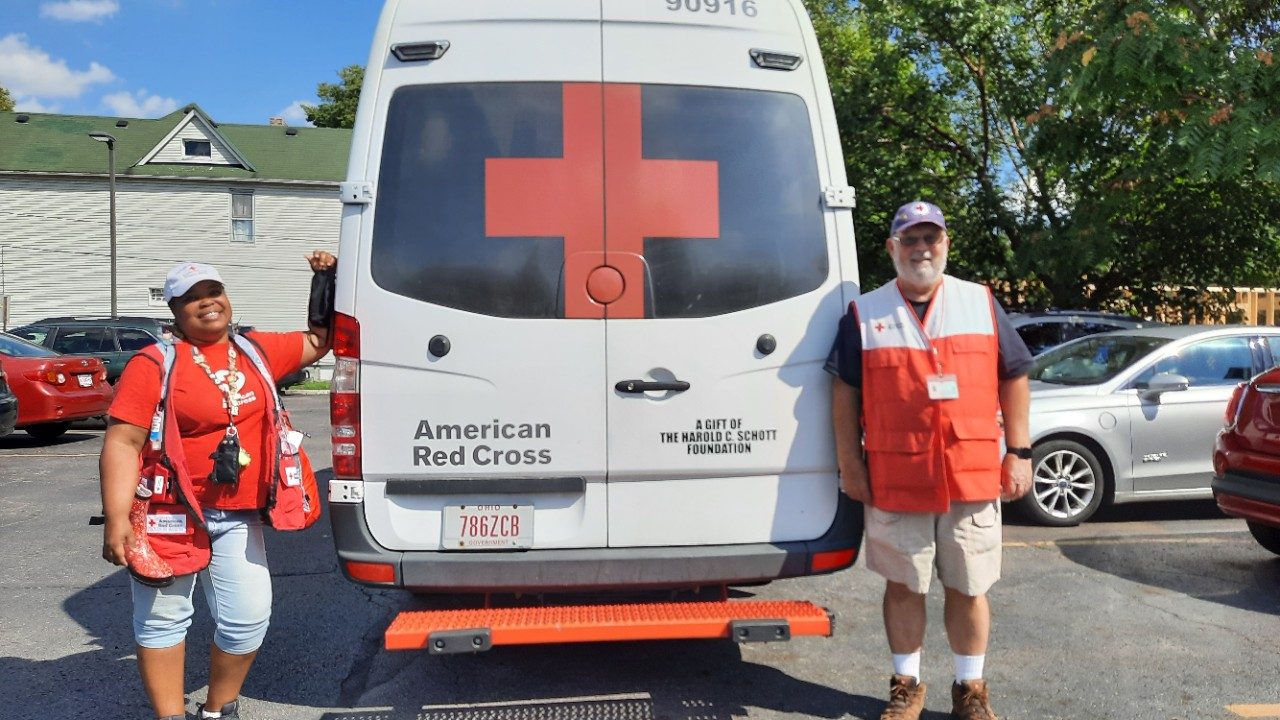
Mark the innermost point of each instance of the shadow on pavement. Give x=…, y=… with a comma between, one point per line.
x=1138, y=512
x=325, y=650
x=663, y=680
x=1225, y=568
x=20, y=440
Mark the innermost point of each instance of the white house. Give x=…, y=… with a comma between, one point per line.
x=248, y=199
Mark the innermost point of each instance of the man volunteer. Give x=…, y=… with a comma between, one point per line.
x=925, y=365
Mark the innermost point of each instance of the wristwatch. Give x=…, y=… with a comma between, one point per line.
x=1019, y=452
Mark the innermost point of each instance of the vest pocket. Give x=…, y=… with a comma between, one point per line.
x=891, y=441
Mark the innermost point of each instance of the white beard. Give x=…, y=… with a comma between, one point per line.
x=922, y=274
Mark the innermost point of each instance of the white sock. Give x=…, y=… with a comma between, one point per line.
x=207, y=714
x=969, y=667
x=907, y=664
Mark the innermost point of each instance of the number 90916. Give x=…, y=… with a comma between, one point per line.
x=731, y=7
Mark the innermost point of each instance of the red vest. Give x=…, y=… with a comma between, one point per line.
x=175, y=520
x=924, y=454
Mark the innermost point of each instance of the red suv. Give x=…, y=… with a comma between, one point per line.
x=1246, y=458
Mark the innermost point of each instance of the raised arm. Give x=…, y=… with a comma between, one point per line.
x=320, y=307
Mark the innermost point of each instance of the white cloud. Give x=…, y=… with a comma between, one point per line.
x=140, y=104
x=29, y=72
x=32, y=105
x=80, y=10
x=294, y=115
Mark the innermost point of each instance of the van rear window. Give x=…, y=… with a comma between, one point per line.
x=713, y=194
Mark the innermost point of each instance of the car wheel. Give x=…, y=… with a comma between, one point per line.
x=1067, y=484
x=47, y=431
x=1266, y=535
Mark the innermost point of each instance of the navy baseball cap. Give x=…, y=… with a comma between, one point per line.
x=914, y=213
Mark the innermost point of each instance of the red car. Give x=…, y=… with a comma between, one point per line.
x=52, y=389
x=1246, y=458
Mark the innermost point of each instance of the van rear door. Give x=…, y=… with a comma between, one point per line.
x=476, y=388
x=730, y=274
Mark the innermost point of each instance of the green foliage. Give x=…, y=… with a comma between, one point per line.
x=6, y=101
x=337, y=108
x=1097, y=154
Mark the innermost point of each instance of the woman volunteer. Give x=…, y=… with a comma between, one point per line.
x=218, y=459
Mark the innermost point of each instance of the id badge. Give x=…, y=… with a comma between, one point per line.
x=159, y=482
x=943, y=387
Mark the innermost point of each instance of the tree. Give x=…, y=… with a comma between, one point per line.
x=941, y=95
x=337, y=108
x=1167, y=129
x=1096, y=154
x=6, y=101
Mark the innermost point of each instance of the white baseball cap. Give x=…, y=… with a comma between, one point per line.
x=183, y=276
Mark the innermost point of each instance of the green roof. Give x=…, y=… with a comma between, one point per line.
x=48, y=143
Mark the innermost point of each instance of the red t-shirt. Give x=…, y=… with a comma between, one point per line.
x=200, y=409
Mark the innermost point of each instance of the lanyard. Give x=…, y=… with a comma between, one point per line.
x=230, y=396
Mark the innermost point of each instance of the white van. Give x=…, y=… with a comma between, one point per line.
x=593, y=254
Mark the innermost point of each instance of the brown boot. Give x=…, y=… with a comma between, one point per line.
x=906, y=698
x=969, y=701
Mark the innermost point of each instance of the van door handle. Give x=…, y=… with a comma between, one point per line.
x=640, y=386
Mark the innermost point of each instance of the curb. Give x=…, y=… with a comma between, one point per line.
x=291, y=391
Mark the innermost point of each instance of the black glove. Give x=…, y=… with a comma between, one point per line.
x=320, y=306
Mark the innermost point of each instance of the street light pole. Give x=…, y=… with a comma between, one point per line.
x=111, y=179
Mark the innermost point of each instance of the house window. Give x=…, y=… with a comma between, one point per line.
x=242, y=217
x=156, y=298
x=197, y=148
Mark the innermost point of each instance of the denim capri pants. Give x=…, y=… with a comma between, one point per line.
x=237, y=589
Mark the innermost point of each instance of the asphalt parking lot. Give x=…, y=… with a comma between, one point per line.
x=1151, y=611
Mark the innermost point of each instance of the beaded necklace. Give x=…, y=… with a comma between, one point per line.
x=231, y=397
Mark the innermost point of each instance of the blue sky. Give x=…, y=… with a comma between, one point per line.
x=243, y=61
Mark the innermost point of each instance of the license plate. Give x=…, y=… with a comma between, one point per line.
x=487, y=527
x=85, y=380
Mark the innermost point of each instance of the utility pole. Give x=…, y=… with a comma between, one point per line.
x=110, y=140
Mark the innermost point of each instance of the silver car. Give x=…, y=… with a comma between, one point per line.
x=1131, y=415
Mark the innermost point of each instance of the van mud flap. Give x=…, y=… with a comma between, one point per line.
x=453, y=631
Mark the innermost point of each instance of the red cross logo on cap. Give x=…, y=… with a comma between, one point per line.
x=604, y=198
x=921, y=209
x=879, y=327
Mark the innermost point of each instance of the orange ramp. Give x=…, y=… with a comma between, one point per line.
x=452, y=631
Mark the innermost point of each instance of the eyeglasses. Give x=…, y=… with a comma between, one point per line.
x=930, y=240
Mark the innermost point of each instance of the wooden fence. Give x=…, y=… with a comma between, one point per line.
x=1258, y=306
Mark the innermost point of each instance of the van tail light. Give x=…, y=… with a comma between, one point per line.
x=344, y=398
x=1235, y=404
x=346, y=336
x=371, y=572
x=832, y=560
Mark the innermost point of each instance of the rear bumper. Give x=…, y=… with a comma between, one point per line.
x=50, y=404
x=1250, y=496
x=8, y=414
x=582, y=569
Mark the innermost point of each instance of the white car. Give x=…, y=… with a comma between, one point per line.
x=1132, y=415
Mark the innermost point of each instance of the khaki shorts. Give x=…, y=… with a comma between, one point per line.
x=964, y=544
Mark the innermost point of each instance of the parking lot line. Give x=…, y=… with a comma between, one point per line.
x=1124, y=541
x=1255, y=711
x=49, y=455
